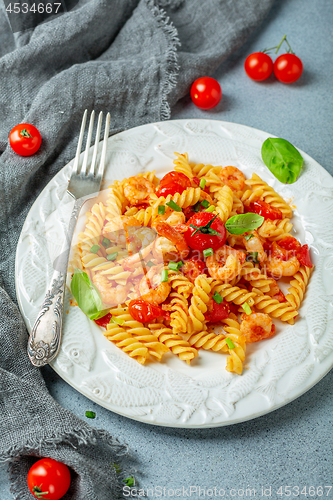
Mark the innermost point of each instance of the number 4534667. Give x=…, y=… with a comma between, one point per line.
x=49, y=8
x=309, y=491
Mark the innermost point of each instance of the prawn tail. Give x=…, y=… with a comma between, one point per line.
x=268, y=390
x=227, y=406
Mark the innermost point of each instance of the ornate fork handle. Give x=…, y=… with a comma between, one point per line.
x=45, y=337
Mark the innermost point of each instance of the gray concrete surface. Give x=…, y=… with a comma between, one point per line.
x=293, y=445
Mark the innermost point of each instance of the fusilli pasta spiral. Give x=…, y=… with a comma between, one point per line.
x=298, y=284
x=174, y=342
x=269, y=195
x=199, y=301
x=182, y=165
x=224, y=202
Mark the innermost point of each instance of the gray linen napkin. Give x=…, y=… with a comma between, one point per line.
x=127, y=56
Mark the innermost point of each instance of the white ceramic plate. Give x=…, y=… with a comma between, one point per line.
x=171, y=393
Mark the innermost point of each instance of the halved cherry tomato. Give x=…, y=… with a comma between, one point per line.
x=143, y=311
x=103, y=321
x=304, y=256
x=258, y=66
x=202, y=239
x=265, y=210
x=288, y=68
x=206, y=92
x=25, y=139
x=172, y=183
x=216, y=312
x=49, y=479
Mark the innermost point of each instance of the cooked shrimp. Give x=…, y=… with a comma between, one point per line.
x=278, y=268
x=152, y=289
x=137, y=189
x=165, y=250
x=176, y=218
x=146, y=235
x=254, y=245
x=225, y=272
x=226, y=263
x=111, y=295
x=120, y=222
x=232, y=177
x=178, y=239
x=256, y=326
x=130, y=262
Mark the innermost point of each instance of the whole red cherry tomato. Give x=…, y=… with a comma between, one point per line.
x=143, y=311
x=216, y=312
x=258, y=66
x=265, y=210
x=25, y=139
x=203, y=239
x=172, y=183
x=206, y=92
x=49, y=479
x=288, y=68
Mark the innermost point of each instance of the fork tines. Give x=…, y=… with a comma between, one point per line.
x=84, y=168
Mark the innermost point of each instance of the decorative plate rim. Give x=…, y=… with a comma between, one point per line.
x=320, y=367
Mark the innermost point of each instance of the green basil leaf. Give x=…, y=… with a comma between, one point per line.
x=282, y=159
x=242, y=223
x=87, y=296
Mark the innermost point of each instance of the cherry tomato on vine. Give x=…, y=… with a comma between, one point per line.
x=258, y=66
x=49, y=479
x=205, y=230
x=25, y=139
x=143, y=311
x=172, y=183
x=288, y=68
x=206, y=92
x=265, y=210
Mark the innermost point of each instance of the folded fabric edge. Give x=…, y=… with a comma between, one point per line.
x=76, y=438
x=172, y=68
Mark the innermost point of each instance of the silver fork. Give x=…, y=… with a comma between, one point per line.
x=45, y=337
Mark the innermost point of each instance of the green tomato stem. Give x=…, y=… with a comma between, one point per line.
x=291, y=50
x=284, y=38
x=37, y=490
